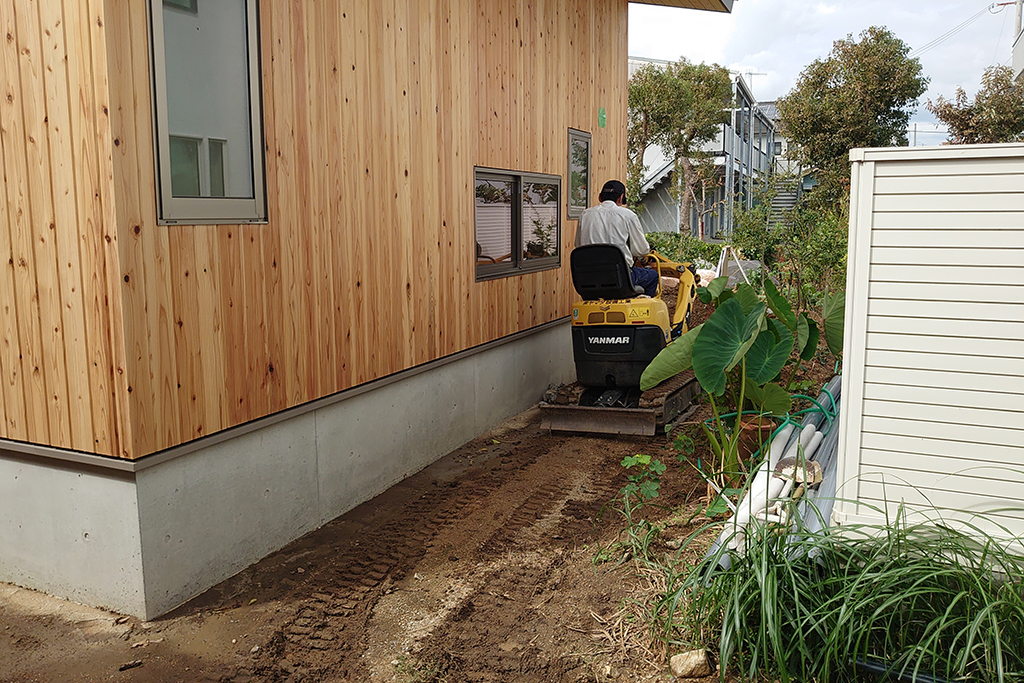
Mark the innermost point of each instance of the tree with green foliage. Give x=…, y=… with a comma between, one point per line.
x=995, y=115
x=679, y=107
x=861, y=95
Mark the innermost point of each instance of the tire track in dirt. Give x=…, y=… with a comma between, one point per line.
x=559, y=504
x=326, y=636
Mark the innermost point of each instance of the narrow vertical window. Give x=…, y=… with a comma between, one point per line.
x=579, y=172
x=207, y=113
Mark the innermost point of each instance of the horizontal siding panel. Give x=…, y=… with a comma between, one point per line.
x=948, y=238
x=984, y=481
x=947, y=291
x=928, y=344
x=959, y=219
x=948, y=184
x=960, y=275
x=1011, y=512
x=946, y=361
x=946, y=414
x=955, y=311
x=1013, y=400
x=962, y=167
x=977, y=203
x=977, y=453
x=940, y=327
x=939, y=378
x=948, y=256
x=934, y=469
x=967, y=434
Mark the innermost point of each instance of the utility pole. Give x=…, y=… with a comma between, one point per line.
x=1020, y=9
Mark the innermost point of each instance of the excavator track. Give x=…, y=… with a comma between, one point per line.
x=565, y=408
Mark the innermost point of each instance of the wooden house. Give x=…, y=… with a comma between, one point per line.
x=243, y=287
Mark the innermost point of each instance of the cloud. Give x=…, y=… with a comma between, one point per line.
x=779, y=38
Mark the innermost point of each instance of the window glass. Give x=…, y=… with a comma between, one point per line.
x=540, y=220
x=217, y=168
x=185, y=178
x=494, y=219
x=206, y=60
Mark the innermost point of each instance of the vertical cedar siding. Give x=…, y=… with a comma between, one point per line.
x=123, y=337
x=62, y=372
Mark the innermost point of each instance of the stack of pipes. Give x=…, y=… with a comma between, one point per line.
x=800, y=463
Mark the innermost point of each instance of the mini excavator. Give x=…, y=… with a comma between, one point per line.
x=616, y=332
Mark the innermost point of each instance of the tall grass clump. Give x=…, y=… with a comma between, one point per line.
x=923, y=601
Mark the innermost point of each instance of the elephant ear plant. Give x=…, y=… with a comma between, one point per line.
x=737, y=354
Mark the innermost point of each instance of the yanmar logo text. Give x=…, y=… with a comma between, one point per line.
x=609, y=340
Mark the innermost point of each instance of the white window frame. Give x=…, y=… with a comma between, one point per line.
x=206, y=210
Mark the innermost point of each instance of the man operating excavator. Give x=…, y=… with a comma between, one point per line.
x=610, y=222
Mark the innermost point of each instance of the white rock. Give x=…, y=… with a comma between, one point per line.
x=692, y=664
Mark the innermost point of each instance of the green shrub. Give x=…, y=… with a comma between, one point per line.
x=806, y=253
x=685, y=248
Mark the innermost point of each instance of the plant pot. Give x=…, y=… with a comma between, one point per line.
x=755, y=431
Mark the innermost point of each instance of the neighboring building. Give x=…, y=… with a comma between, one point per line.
x=743, y=152
x=792, y=179
x=247, y=291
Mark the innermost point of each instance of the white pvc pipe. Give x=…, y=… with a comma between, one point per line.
x=806, y=434
x=779, y=445
x=813, y=445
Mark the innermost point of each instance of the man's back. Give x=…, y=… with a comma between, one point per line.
x=610, y=223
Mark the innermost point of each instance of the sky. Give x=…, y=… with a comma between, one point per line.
x=776, y=39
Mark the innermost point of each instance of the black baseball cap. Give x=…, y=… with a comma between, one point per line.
x=612, y=190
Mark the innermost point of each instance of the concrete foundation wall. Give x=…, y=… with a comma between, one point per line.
x=167, y=531
x=71, y=530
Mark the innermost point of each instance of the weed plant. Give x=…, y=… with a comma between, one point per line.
x=925, y=601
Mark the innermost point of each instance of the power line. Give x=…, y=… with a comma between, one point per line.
x=917, y=52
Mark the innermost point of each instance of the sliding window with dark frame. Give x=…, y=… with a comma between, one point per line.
x=518, y=222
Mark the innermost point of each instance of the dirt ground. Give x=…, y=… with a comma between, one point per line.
x=479, y=568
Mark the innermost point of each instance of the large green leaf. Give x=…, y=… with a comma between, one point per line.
x=755, y=323
x=834, y=319
x=723, y=340
x=803, y=331
x=780, y=307
x=767, y=356
x=717, y=286
x=810, y=346
x=771, y=398
x=779, y=329
x=747, y=297
x=671, y=360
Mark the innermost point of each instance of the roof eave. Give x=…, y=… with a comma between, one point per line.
x=708, y=5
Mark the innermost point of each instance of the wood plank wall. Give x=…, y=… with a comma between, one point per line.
x=62, y=371
x=375, y=113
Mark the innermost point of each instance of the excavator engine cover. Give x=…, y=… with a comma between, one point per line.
x=614, y=355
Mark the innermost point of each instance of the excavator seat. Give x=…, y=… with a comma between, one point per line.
x=600, y=271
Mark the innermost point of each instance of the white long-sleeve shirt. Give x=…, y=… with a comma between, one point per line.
x=609, y=223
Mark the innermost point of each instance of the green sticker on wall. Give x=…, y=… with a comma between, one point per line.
x=601, y=117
